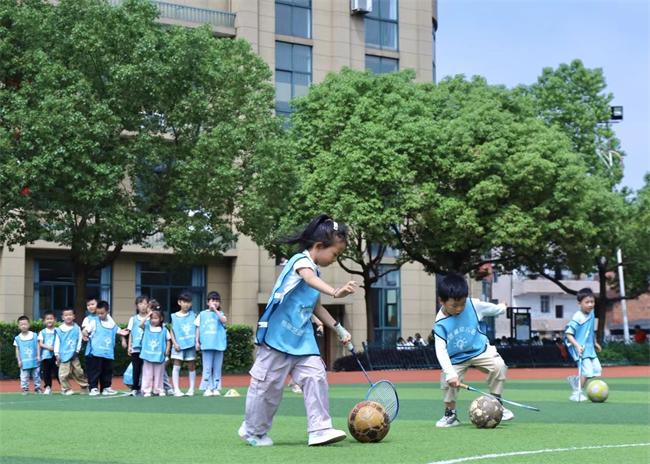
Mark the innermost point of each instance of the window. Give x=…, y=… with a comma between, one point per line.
x=381, y=25
x=559, y=311
x=164, y=283
x=385, y=297
x=293, y=17
x=292, y=74
x=433, y=52
x=545, y=303
x=381, y=65
x=54, y=287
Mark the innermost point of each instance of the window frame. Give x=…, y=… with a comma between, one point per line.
x=376, y=15
x=381, y=60
x=292, y=72
x=291, y=4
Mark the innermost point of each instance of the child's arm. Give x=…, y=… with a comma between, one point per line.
x=319, y=284
x=445, y=363
x=597, y=346
x=484, y=308
x=198, y=339
x=222, y=316
x=168, y=349
x=20, y=363
x=177, y=347
x=57, y=347
x=319, y=324
x=325, y=316
x=579, y=348
x=43, y=346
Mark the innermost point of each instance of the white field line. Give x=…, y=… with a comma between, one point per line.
x=56, y=400
x=541, y=451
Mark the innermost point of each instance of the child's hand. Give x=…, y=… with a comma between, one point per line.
x=580, y=349
x=125, y=345
x=20, y=364
x=454, y=382
x=598, y=347
x=346, y=289
x=177, y=347
x=198, y=346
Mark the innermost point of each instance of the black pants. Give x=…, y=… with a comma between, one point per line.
x=99, y=370
x=137, y=370
x=49, y=369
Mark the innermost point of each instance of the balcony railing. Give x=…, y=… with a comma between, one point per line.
x=191, y=14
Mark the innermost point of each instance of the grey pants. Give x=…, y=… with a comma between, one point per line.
x=35, y=374
x=267, y=383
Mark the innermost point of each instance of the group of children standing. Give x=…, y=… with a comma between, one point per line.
x=148, y=340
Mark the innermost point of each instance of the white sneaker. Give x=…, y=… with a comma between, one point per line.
x=162, y=393
x=93, y=392
x=296, y=388
x=578, y=396
x=68, y=392
x=216, y=393
x=573, y=381
x=109, y=392
x=242, y=431
x=448, y=421
x=47, y=391
x=325, y=437
x=259, y=440
x=208, y=392
x=507, y=415
x=147, y=395
x=178, y=393
x=190, y=392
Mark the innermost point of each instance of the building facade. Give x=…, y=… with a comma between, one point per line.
x=301, y=41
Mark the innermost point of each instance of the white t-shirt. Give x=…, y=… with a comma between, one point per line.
x=25, y=337
x=57, y=342
x=87, y=320
x=483, y=308
x=158, y=329
x=293, y=278
x=107, y=324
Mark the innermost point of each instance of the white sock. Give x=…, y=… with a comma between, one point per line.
x=176, y=373
x=192, y=379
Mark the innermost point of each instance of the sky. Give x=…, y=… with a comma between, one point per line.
x=509, y=42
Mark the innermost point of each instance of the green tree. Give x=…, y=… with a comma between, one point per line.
x=115, y=130
x=346, y=154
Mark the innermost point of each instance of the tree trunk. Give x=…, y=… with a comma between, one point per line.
x=80, y=292
x=370, y=314
x=601, y=302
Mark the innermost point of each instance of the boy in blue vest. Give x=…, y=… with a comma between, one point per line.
x=460, y=344
x=67, y=345
x=27, y=355
x=183, y=343
x=100, y=351
x=581, y=343
x=46, y=345
x=211, y=341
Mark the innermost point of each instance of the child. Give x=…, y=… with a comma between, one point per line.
x=46, y=345
x=183, y=343
x=286, y=340
x=580, y=341
x=156, y=345
x=27, y=355
x=67, y=344
x=135, y=340
x=211, y=341
x=169, y=389
x=460, y=344
x=100, y=351
x=91, y=314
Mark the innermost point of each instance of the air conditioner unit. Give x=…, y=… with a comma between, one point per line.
x=361, y=6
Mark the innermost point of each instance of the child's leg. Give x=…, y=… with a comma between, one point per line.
x=24, y=380
x=157, y=373
x=36, y=376
x=166, y=384
x=309, y=373
x=64, y=375
x=449, y=394
x=265, y=391
x=93, y=367
x=147, y=377
x=106, y=376
x=137, y=370
x=207, y=375
x=191, y=367
x=46, y=371
x=176, y=374
x=78, y=373
x=216, y=370
x=492, y=363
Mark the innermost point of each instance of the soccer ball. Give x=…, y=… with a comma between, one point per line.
x=368, y=422
x=485, y=412
x=597, y=391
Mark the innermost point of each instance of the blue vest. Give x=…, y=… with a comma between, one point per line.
x=184, y=331
x=584, y=335
x=68, y=342
x=462, y=334
x=212, y=332
x=136, y=334
x=154, y=345
x=286, y=324
x=48, y=339
x=28, y=350
x=91, y=317
x=102, y=341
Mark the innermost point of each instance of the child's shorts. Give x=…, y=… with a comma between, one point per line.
x=591, y=367
x=188, y=354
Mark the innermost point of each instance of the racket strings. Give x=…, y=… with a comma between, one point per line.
x=384, y=393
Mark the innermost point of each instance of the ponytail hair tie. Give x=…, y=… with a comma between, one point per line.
x=335, y=225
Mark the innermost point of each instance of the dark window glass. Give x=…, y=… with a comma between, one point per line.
x=293, y=17
x=381, y=65
x=381, y=25
x=292, y=74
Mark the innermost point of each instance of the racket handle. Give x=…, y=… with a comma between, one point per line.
x=350, y=347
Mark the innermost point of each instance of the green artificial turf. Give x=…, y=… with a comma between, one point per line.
x=81, y=429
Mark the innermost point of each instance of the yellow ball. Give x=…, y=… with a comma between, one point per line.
x=597, y=391
x=368, y=422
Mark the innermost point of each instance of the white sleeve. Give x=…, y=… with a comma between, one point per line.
x=443, y=358
x=84, y=323
x=79, y=344
x=15, y=344
x=483, y=308
x=129, y=327
x=40, y=337
x=197, y=320
x=303, y=263
x=57, y=345
x=90, y=326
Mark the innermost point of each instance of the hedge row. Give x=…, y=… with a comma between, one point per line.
x=620, y=353
x=238, y=357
